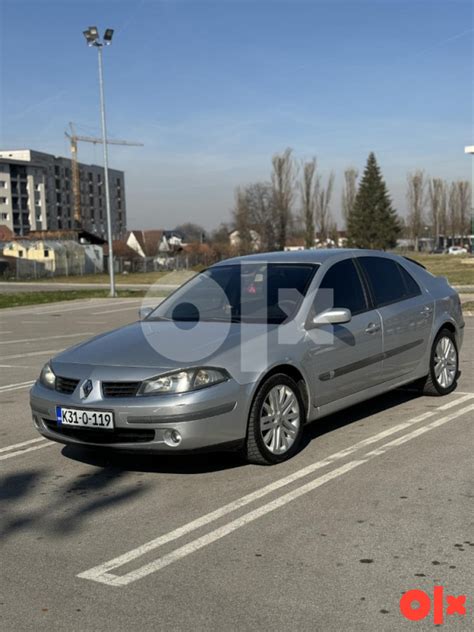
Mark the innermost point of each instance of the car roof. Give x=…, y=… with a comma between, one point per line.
x=319, y=255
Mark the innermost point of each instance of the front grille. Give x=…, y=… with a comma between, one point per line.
x=118, y=435
x=66, y=385
x=120, y=389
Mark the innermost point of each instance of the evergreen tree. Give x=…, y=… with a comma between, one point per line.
x=373, y=222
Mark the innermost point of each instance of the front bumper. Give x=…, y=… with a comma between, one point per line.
x=204, y=419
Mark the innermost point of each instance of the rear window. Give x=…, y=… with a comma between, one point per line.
x=413, y=289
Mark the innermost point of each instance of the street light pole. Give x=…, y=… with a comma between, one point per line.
x=470, y=150
x=108, y=211
x=92, y=38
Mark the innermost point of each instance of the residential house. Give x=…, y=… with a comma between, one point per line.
x=158, y=246
x=92, y=244
x=234, y=238
x=145, y=243
x=47, y=256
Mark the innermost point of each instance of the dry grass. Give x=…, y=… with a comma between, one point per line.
x=143, y=278
x=16, y=299
x=458, y=269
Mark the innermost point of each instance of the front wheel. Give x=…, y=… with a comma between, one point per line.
x=276, y=421
x=444, y=364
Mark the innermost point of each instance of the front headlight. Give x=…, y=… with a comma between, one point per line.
x=47, y=377
x=183, y=381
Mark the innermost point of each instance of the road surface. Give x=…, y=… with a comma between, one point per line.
x=378, y=502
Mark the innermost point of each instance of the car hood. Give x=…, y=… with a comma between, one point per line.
x=162, y=345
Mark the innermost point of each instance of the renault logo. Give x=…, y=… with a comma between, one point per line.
x=87, y=388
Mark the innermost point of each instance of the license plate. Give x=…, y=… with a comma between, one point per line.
x=85, y=418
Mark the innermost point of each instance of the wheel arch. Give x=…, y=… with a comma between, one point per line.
x=447, y=325
x=451, y=326
x=294, y=373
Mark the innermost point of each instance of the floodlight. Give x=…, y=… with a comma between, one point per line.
x=91, y=35
x=108, y=36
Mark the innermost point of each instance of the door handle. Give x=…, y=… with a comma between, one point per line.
x=426, y=311
x=372, y=328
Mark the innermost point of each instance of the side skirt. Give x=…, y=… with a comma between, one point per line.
x=351, y=400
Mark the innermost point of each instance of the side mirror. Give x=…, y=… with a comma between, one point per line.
x=333, y=316
x=143, y=312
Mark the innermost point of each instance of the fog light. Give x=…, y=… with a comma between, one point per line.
x=172, y=438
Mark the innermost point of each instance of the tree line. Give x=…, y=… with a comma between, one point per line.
x=437, y=207
x=295, y=203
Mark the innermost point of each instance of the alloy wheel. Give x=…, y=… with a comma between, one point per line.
x=280, y=419
x=445, y=362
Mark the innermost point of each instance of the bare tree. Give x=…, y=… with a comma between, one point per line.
x=459, y=201
x=242, y=222
x=263, y=214
x=255, y=217
x=464, y=202
x=349, y=192
x=453, y=211
x=309, y=191
x=323, y=212
x=283, y=181
x=192, y=232
x=437, y=206
x=416, y=190
x=220, y=243
x=443, y=211
x=332, y=232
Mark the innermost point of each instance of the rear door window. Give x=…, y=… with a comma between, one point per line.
x=386, y=280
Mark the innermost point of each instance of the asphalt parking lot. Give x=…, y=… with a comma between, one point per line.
x=379, y=501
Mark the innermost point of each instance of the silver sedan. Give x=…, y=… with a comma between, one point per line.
x=250, y=350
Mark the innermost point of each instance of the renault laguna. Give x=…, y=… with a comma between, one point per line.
x=249, y=351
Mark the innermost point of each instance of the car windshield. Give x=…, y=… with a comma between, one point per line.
x=250, y=292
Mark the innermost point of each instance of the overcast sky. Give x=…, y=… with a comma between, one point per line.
x=213, y=89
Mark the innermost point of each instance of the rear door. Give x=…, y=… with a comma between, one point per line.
x=344, y=359
x=406, y=311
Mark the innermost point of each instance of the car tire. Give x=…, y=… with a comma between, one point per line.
x=444, y=354
x=277, y=394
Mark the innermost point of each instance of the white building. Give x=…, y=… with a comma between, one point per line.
x=36, y=194
x=234, y=238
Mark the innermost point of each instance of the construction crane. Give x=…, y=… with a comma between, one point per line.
x=76, y=188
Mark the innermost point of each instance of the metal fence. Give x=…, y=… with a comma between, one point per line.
x=22, y=269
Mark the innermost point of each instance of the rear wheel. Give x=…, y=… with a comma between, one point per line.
x=444, y=363
x=276, y=421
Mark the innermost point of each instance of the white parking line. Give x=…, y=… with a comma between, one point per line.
x=101, y=573
x=217, y=534
x=10, y=455
x=455, y=402
x=32, y=353
x=113, y=311
x=54, y=308
x=10, y=342
x=89, y=321
x=14, y=387
x=419, y=431
x=23, y=443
